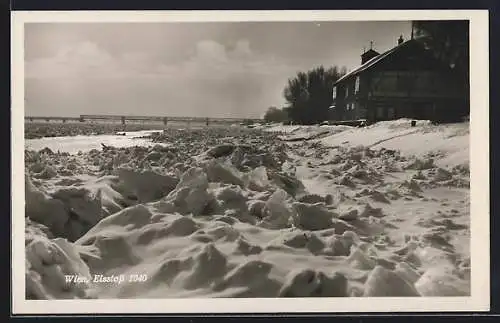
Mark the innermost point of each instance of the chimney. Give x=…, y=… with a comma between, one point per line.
x=400, y=40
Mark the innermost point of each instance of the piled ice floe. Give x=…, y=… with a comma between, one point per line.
x=54, y=267
x=237, y=213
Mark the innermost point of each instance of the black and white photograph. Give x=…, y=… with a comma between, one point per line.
x=314, y=159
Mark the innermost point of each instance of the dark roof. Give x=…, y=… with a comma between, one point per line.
x=377, y=59
x=370, y=51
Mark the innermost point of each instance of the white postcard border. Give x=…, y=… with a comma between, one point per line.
x=479, y=170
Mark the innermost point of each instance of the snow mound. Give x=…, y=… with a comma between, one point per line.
x=439, y=281
x=307, y=282
x=384, y=282
x=55, y=270
x=451, y=140
x=146, y=185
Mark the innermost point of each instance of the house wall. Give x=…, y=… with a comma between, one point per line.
x=411, y=84
x=417, y=94
x=348, y=105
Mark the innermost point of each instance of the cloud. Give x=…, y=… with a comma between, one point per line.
x=84, y=58
x=209, y=60
x=213, y=81
x=210, y=51
x=87, y=60
x=199, y=69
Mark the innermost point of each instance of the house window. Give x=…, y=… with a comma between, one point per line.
x=356, y=85
x=334, y=95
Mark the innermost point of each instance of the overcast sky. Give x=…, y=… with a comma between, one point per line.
x=184, y=69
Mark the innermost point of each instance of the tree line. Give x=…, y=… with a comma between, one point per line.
x=308, y=95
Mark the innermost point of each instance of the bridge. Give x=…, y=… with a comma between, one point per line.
x=48, y=119
x=164, y=119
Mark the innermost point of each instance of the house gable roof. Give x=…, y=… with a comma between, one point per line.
x=378, y=59
x=366, y=56
x=370, y=52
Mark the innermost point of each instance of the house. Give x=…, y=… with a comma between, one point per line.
x=406, y=81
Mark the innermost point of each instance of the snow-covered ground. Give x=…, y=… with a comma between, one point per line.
x=291, y=211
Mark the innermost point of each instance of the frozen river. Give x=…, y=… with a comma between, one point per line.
x=73, y=144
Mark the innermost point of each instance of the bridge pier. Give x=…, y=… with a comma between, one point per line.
x=165, y=121
x=123, y=120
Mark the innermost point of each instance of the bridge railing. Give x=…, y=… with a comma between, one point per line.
x=160, y=118
x=164, y=119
